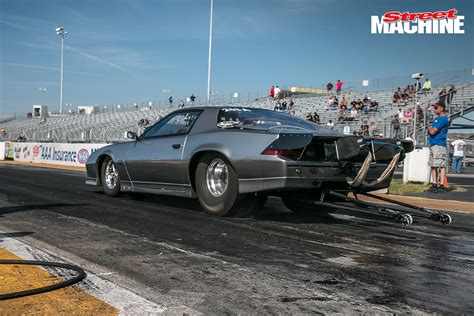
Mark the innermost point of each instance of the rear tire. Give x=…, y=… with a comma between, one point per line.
x=217, y=188
x=110, y=178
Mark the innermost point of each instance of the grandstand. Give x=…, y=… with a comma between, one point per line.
x=111, y=125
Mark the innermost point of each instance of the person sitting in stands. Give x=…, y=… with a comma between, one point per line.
x=374, y=106
x=292, y=105
x=330, y=124
x=426, y=85
x=344, y=102
x=342, y=115
x=365, y=100
x=396, y=98
x=277, y=106
x=316, y=118
x=328, y=104
x=354, y=113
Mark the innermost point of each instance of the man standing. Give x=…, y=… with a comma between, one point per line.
x=339, y=84
x=437, y=140
x=272, y=92
x=458, y=154
x=395, y=127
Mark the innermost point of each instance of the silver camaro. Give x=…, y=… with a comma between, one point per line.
x=232, y=158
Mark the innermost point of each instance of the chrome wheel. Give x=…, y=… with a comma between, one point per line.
x=111, y=175
x=217, y=177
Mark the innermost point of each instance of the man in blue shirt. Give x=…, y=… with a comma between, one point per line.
x=438, y=132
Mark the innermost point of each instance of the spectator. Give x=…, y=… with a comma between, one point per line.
x=170, y=101
x=339, y=84
x=365, y=130
x=419, y=114
x=426, y=85
x=395, y=127
x=277, y=106
x=292, y=105
x=344, y=102
x=451, y=92
x=277, y=92
x=283, y=105
x=354, y=113
x=181, y=104
x=397, y=98
x=373, y=130
x=437, y=140
x=458, y=154
x=21, y=138
x=330, y=124
x=328, y=104
x=329, y=86
x=192, y=97
x=158, y=118
x=272, y=92
x=342, y=115
x=365, y=100
x=316, y=118
x=400, y=114
x=442, y=95
x=373, y=106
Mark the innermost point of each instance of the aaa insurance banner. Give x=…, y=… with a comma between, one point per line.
x=55, y=153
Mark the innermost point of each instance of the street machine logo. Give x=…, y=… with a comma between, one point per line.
x=439, y=22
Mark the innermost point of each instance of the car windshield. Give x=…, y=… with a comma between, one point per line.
x=262, y=119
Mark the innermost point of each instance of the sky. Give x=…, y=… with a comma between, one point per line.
x=124, y=51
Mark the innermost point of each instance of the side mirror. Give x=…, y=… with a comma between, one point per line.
x=132, y=135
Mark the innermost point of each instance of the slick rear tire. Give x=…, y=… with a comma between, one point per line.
x=217, y=188
x=110, y=178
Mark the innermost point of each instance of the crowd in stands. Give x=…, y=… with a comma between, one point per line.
x=349, y=111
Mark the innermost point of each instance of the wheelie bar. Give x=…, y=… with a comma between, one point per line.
x=434, y=215
x=398, y=215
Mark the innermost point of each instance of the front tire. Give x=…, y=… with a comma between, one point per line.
x=217, y=188
x=110, y=178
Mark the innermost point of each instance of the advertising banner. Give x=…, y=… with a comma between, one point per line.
x=9, y=150
x=55, y=153
x=2, y=151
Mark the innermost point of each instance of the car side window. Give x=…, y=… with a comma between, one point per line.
x=178, y=124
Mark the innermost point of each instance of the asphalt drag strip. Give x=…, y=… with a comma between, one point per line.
x=166, y=251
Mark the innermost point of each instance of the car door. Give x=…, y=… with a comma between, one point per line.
x=155, y=160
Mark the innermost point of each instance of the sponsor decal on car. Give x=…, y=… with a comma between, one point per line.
x=438, y=22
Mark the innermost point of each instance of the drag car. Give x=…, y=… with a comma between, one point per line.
x=233, y=158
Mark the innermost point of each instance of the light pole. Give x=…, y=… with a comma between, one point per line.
x=61, y=32
x=42, y=90
x=210, y=57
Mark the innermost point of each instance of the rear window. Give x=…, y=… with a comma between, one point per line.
x=262, y=119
